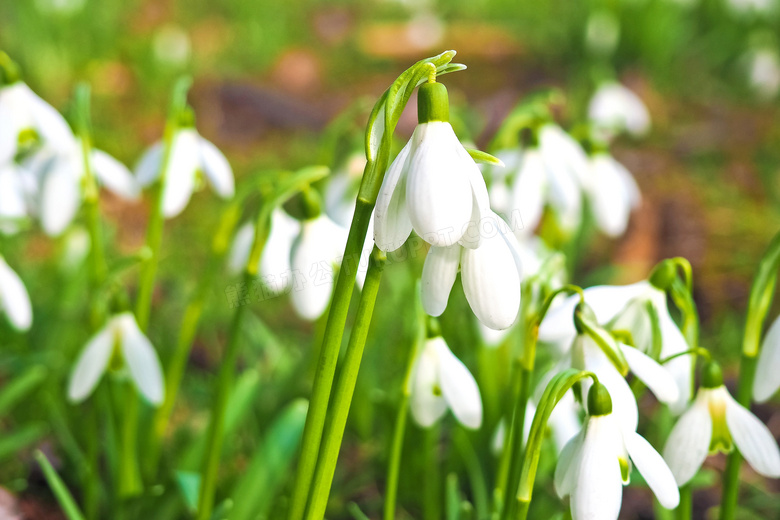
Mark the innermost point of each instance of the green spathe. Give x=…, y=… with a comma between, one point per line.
x=433, y=103
x=599, y=401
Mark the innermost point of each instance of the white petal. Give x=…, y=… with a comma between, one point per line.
x=241, y=248
x=391, y=218
x=753, y=439
x=767, y=381
x=217, y=169
x=427, y=403
x=91, y=364
x=673, y=342
x=14, y=299
x=598, y=492
x=458, y=387
x=653, y=469
x=614, y=108
x=528, y=192
x=491, y=276
x=659, y=380
x=275, y=261
x=180, y=175
x=568, y=465
x=50, y=124
x=689, y=442
x=439, y=196
x=480, y=200
x=114, y=175
x=438, y=275
x=141, y=359
x=13, y=114
x=147, y=170
x=12, y=196
x=60, y=197
x=565, y=420
x=610, y=199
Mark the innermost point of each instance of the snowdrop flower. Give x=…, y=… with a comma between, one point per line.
x=716, y=422
x=14, y=300
x=766, y=380
x=441, y=381
x=189, y=156
x=17, y=187
x=26, y=117
x=433, y=186
x=491, y=275
x=613, y=193
x=120, y=343
x=342, y=189
x=624, y=307
x=596, y=463
x=764, y=73
x=614, y=109
x=61, y=176
x=602, y=32
x=750, y=7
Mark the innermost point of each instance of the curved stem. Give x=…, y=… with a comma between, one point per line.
x=342, y=399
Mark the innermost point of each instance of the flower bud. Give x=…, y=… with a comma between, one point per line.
x=663, y=275
x=583, y=312
x=711, y=375
x=599, y=401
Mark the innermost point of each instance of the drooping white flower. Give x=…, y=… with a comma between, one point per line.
x=61, y=176
x=18, y=187
x=567, y=167
x=763, y=72
x=766, y=380
x=602, y=32
x=14, y=300
x=491, y=275
x=342, y=189
x=613, y=193
x=119, y=343
x=26, y=117
x=614, y=109
x=441, y=381
x=189, y=156
x=595, y=464
x=716, y=422
x=624, y=307
x=433, y=186
x=746, y=8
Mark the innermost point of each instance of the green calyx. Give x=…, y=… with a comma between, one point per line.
x=186, y=118
x=711, y=375
x=599, y=401
x=432, y=328
x=583, y=312
x=311, y=203
x=663, y=275
x=433, y=103
x=9, y=70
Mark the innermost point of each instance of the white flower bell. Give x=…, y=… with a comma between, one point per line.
x=766, y=381
x=119, y=342
x=433, y=186
x=613, y=193
x=14, y=300
x=595, y=464
x=441, y=381
x=614, y=109
x=189, y=155
x=26, y=117
x=716, y=422
x=341, y=192
x=491, y=275
x=18, y=187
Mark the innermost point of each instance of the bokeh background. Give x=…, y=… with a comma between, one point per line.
x=269, y=76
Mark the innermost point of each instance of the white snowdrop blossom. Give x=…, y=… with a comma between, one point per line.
x=764, y=73
x=614, y=109
x=14, y=300
x=624, y=307
x=613, y=193
x=190, y=156
x=341, y=192
x=62, y=175
x=716, y=422
x=27, y=118
x=751, y=7
x=120, y=343
x=441, y=381
x=18, y=188
x=491, y=275
x=596, y=463
x=766, y=380
x=433, y=186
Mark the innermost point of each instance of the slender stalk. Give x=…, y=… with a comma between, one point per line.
x=342, y=399
x=129, y=473
x=685, y=510
x=326, y=367
x=517, y=431
x=502, y=474
x=215, y=432
x=432, y=481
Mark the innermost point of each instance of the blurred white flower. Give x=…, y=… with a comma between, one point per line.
x=596, y=463
x=716, y=422
x=602, y=32
x=190, y=155
x=441, y=381
x=171, y=45
x=119, y=343
x=624, y=307
x=614, y=109
x=613, y=193
x=27, y=118
x=342, y=189
x=61, y=176
x=764, y=73
x=14, y=300
x=433, y=187
x=751, y=7
x=767, y=379
x=18, y=188
x=491, y=275
x=64, y=7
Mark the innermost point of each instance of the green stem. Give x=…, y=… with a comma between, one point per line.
x=432, y=470
x=517, y=430
x=747, y=373
x=685, y=509
x=129, y=474
x=215, y=432
x=342, y=399
x=154, y=232
x=502, y=474
x=329, y=353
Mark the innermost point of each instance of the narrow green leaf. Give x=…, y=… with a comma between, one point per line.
x=481, y=157
x=19, y=387
x=606, y=342
x=356, y=513
x=14, y=442
x=189, y=485
x=761, y=294
x=65, y=499
x=453, y=497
